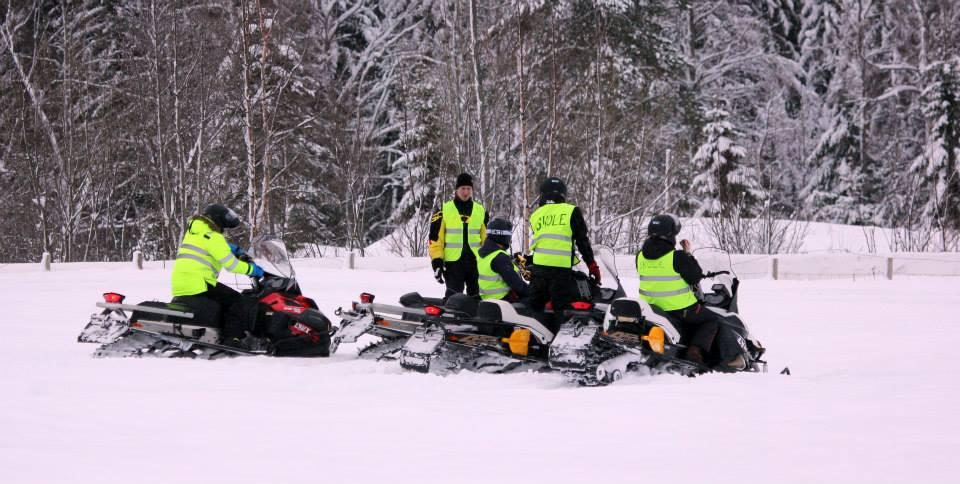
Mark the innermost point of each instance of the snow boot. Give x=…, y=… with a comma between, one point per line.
x=695, y=354
x=734, y=365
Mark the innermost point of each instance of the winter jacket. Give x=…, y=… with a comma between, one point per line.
x=438, y=230
x=684, y=263
x=503, y=265
x=200, y=257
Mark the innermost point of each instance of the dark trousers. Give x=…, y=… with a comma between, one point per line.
x=239, y=314
x=556, y=285
x=460, y=273
x=699, y=326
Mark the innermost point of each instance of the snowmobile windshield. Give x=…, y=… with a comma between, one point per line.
x=610, y=280
x=270, y=253
x=712, y=259
x=606, y=260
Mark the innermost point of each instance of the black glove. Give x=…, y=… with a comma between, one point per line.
x=437, y=269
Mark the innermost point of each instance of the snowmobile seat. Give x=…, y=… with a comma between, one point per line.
x=146, y=314
x=206, y=312
x=496, y=310
x=545, y=318
x=626, y=310
x=461, y=305
x=627, y=316
x=415, y=300
x=634, y=315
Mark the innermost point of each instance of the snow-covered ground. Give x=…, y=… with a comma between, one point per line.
x=872, y=398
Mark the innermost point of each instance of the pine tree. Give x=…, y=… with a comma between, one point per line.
x=939, y=165
x=724, y=182
x=834, y=191
x=820, y=41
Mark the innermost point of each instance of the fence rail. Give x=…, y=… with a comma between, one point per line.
x=746, y=266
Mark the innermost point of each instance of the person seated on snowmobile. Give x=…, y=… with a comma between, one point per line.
x=202, y=253
x=666, y=277
x=499, y=278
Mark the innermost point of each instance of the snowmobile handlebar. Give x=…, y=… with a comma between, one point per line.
x=710, y=275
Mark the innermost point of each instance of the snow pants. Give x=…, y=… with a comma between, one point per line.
x=708, y=330
x=239, y=314
x=460, y=273
x=556, y=285
x=699, y=326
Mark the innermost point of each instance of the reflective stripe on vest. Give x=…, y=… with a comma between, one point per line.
x=454, y=226
x=195, y=267
x=661, y=285
x=552, y=235
x=492, y=285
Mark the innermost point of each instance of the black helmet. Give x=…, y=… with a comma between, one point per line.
x=553, y=189
x=222, y=216
x=664, y=226
x=500, y=231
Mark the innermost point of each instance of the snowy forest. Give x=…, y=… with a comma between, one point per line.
x=340, y=122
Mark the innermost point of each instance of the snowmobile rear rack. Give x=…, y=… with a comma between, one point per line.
x=144, y=309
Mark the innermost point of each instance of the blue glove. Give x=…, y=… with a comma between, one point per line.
x=236, y=249
x=255, y=271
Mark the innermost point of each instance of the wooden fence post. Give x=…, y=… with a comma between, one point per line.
x=889, y=268
x=138, y=259
x=45, y=261
x=775, y=269
x=350, y=261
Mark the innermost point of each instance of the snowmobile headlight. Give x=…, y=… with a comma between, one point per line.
x=433, y=310
x=112, y=297
x=366, y=298
x=582, y=305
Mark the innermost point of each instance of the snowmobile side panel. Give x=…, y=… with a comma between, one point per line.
x=203, y=334
x=499, y=310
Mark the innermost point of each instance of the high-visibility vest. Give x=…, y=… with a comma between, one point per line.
x=454, y=226
x=202, y=253
x=661, y=285
x=552, y=235
x=492, y=285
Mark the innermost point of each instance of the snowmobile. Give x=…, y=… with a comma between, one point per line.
x=392, y=325
x=289, y=324
x=633, y=335
x=430, y=335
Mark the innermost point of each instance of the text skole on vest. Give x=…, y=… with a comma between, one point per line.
x=551, y=220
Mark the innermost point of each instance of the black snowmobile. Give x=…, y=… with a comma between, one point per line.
x=489, y=336
x=288, y=323
x=633, y=335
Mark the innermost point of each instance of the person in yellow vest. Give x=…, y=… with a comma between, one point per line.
x=456, y=232
x=557, y=227
x=499, y=278
x=202, y=253
x=667, y=278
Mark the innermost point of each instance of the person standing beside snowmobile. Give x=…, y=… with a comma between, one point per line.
x=202, y=253
x=557, y=226
x=498, y=277
x=667, y=278
x=456, y=232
